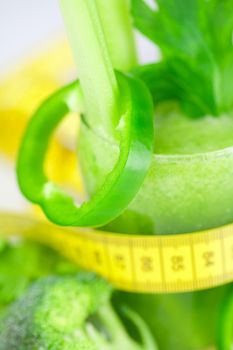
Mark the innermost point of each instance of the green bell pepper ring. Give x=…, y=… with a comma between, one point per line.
x=121, y=184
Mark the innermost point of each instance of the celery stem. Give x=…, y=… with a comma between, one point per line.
x=118, y=29
x=94, y=64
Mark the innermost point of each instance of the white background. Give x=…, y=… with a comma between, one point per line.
x=25, y=25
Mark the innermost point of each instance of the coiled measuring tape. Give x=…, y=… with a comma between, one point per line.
x=173, y=263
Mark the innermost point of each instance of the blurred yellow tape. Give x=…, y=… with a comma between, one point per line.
x=133, y=263
x=173, y=263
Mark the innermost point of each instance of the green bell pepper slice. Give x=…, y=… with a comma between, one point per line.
x=136, y=132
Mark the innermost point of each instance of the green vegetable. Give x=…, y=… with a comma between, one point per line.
x=135, y=130
x=116, y=21
x=24, y=262
x=72, y=312
x=130, y=117
x=196, y=67
x=101, y=37
x=93, y=60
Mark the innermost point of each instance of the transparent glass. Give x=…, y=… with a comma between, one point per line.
x=181, y=193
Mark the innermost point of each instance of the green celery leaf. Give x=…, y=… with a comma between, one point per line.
x=178, y=27
x=220, y=20
x=227, y=83
x=195, y=39
x=170, y=80
x=220, y=15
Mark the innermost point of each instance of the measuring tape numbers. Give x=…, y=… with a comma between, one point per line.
x=174, y=263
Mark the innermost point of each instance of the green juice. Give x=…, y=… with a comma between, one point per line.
x=188, y=188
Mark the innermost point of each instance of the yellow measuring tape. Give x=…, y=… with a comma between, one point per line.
x=173, y=263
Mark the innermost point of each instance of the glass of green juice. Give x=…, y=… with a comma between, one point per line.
x=188, y=188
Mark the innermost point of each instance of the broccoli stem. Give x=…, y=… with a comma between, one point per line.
x=148, y=340
x=94, y=64
x=118, y=30
x=118, y=333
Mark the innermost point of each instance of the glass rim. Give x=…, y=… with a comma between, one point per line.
x=189, y=157
x=174, y=158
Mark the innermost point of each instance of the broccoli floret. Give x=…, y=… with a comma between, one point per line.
x=23, y=262
x=68, y=313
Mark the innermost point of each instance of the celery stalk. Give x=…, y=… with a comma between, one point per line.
x=94, y=64
x=116, y=20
